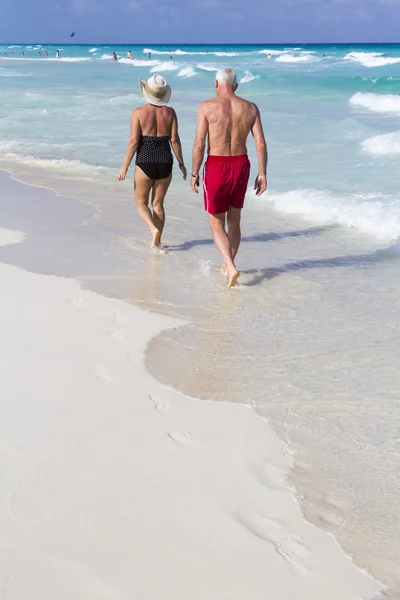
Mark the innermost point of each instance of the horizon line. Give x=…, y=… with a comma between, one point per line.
x=200, y=43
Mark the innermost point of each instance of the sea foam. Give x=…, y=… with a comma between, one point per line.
x=291, y=58
x=375, y=214
x=385, y=144
x=371, y=59
x=187, y=72
x=382, y=103
x=248, y=76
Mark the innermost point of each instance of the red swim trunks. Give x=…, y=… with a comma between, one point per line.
x=225, y=180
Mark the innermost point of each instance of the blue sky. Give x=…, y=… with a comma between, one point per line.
x=196, y=21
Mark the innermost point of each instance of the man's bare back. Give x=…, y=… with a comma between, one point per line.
x=229, y=120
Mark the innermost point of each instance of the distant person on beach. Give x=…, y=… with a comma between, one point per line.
x=129, y=54
x=46, y=53
x=115, y=57
x=39, y=53
x=154, y=129
x=149, y=54
x=58, y=54
x=227, y=121
x=23, y=53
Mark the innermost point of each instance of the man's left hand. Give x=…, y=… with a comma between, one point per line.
x=194, y=183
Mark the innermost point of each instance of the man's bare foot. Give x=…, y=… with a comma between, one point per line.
x=156, y=238
x=224, y=270
x=233, y=275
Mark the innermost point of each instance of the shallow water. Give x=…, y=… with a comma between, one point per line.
x=311, y=337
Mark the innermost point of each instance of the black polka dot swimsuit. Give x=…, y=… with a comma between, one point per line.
x=154, y=156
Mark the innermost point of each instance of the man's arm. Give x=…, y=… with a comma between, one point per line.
x=262, y=154
x=132, y=146
x=199, y=147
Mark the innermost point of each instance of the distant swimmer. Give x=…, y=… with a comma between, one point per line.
x=22, y=53
x=269, y=55
x=58, y=54
x=39, y=53
x=149, y=54
x=154, y=129
x=227, y=121
x=46, y=53
x=207, y=51
x=115, y=57
x=12, y=53
x=129, y=54
x=5, y=53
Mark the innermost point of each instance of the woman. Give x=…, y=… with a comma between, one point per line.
x=154, y=129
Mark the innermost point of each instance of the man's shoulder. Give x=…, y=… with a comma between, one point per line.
x=248, y=103
x=206, y=104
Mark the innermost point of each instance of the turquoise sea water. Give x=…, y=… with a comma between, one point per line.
x=341, y=103
x=311, y=338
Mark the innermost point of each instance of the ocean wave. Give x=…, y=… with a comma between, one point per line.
x=371, y=59
x=179, y=52
x=94, y=49
x=12, y=74
x=137, y=62
x=74, y=167
x=291, y=58
x=248, y=76
x=203, y=67
x=187, y=72
x=127, y=99
x=147, y=50
x=375, y=214
x=382, y=103
x=272, y=52
x=165, y=66
x=70, y=59
x=383, y=145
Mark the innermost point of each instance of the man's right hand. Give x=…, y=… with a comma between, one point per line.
x=260, y=184
x=194, y=183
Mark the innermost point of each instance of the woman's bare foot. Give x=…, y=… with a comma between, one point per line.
x=156, y=238
x=224, y=270
x=233, y=275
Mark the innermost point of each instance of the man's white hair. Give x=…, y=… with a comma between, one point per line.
x=226, y=76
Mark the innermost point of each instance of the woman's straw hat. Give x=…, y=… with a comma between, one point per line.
x=155, y=90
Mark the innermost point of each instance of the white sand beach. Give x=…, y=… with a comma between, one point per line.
x=114, y=486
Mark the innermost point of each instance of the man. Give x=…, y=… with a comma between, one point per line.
x=227, y=120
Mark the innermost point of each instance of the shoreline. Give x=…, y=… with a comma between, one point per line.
x=256, y=523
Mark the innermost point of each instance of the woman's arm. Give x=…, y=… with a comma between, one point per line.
x=177, y=146
x=132, y=146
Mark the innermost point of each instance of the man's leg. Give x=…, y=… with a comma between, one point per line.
x=221, y=239
x=143, y=187
x=234, y=232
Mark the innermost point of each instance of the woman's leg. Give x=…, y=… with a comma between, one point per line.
x=160, y=188
x=143, y=185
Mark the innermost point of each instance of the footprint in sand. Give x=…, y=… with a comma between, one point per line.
x=117, y=335
x=100, y=373
x=288, y=545
x=160, y=406
x=75, y=301
x=131, y=356
x=181, y=437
